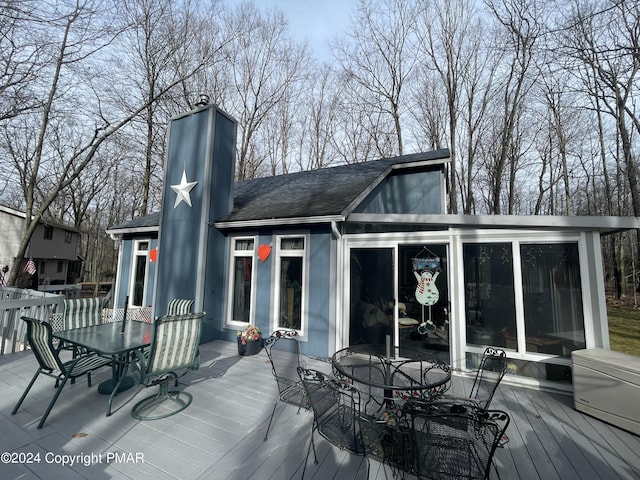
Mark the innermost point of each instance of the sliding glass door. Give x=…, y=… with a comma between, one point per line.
x=412, y=278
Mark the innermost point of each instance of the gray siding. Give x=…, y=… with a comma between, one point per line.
x=410, y=193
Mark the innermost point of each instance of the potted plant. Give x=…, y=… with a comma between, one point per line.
x=249, y=341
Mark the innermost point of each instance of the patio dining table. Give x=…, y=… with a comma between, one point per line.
x=114, y=340
x=395, y=372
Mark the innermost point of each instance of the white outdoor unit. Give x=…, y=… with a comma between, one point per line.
x=606, y=385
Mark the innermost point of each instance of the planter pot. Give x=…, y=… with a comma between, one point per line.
x=250, y=348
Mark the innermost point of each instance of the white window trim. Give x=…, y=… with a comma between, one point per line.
x=135, y=253
x=516, y=242
x=304, y=254
x=229, y=321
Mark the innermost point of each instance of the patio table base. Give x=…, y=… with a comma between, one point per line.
x=106, y=387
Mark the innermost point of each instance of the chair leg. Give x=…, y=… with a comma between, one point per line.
x=24, y=395
x=306, y=459
x=266, y=435
x=53, y=401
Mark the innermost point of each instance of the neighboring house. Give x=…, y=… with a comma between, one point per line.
x=359, y=252
x=53, y=248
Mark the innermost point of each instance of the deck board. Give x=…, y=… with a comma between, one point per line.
x=220, y=436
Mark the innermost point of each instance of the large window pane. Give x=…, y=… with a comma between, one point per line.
x=242, y=270
x=554, y=321
x=291, y=292
x=138, y=281
x=241, y=279
x=490, y=305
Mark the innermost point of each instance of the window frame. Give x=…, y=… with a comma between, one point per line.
x=516, y=242
x=136, y=253
x=233, y=255
x=279, y=254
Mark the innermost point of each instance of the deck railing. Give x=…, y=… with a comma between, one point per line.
x=16, y=302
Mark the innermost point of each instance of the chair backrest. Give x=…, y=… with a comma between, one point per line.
x=450, y=440
x=81, y=312
x=492, y=368
x=179, y=306
x=175, y=343
x=40, y=338
x=336, y=409
x=283, y=350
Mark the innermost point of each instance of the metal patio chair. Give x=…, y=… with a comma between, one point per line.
x=283, y=350
x=453, y=440
x=179, y=306
x=173, y=352
x=77, y=313
x=39, y=336
x=336, y=413
x=492, y=368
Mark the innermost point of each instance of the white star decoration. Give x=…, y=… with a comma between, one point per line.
x=182, y=190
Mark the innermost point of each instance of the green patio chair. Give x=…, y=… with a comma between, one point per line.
x=40, y=338
x=173, y=352
x=179, y=306
x=78, y=313
x=81, y=312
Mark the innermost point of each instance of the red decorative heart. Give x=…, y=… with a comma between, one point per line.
x=153, y=255
x=263, y=252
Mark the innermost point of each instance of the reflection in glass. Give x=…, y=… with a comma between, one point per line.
x=489, y=294
x=553, y=316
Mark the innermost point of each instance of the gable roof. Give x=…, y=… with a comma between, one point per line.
x=309, y=196
x=302, y=197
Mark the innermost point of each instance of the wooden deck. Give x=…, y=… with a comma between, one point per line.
x=220, y=436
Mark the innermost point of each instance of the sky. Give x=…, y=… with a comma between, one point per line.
x=317, y=21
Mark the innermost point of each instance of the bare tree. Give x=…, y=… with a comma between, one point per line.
x=520, y=29
x=604, y=38
x=376, y=59
x=54, y=140
x=444, y=29
x=265, y=64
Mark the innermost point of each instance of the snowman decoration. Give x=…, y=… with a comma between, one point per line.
x=427, y=294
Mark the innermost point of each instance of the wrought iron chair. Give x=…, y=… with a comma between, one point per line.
x=453, y=440
x=492, y=369
x=40, y=338
x=336, y=413
x=386, y=438
x=283, y=350
x=179, y=306
x=174, y=351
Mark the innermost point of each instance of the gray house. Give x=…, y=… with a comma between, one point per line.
x=359, y=252
x=53, y=248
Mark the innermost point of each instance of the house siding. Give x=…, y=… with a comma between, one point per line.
x=407, y=193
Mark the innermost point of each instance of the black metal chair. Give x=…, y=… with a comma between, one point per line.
x=283, y=350
x=174, y=351
x=453, y=440
x=386, y=438
x=336, y=413
x=40, y=338
x=492, y=368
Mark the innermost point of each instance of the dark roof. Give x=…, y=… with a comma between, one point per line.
x=148, y=221
x=314, y=193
